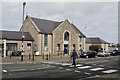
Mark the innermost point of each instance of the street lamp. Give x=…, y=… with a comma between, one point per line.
x=24, y=3
x=22, y=47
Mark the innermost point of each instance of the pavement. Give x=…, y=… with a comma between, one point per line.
x=17, y=59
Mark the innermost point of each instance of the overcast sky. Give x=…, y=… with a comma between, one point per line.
x=99, y=18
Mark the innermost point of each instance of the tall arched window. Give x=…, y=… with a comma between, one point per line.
x=66, y=36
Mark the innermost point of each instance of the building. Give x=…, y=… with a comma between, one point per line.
x=53, y=37
x=98, y=42
x=12, y=41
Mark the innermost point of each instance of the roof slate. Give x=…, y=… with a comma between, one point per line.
x=15, y=35
x=95, y=40
x=45, y=26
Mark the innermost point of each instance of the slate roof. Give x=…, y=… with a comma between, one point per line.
x=15, y=35
x=95, y=40
x=46, y=26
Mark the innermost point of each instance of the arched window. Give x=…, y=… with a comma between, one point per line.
x=66, y=36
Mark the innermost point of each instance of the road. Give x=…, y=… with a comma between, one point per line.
x=92, y=68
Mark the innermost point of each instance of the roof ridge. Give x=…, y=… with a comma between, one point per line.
x=46, y=20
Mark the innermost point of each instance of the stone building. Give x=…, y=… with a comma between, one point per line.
x=12, y=41
x=96, y=41
x=53, y=37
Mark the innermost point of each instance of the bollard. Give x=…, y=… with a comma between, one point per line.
x=10, y=55
x=43, y=56
x=46, y=56
x=33, y=57
x=29, y=56
x=21, y=57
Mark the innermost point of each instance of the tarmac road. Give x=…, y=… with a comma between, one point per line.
x=92, y=68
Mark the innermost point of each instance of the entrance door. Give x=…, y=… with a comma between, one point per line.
x=66, y=50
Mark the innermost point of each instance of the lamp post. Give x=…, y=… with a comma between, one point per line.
x=24, y=3
x=22, y=47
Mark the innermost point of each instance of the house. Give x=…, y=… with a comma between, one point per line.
x=98, y=42
x=12, y=41
x=52, y=36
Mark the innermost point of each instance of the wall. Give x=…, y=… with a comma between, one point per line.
x=30, y=27
x=58, y=37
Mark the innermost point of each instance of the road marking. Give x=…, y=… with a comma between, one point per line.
x=94, y=76
x=65, y=64
x=19, y=70
x=78, y=65
x=96, y=69
x=109, y=71
x=77, y=71
x=61, y=67
x=84, y=67
x=68, y=69
x=4, y=71
x=101, y=65
x=87, y=73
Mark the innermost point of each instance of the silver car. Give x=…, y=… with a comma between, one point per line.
x=104, y=54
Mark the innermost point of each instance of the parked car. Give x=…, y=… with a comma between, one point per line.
x=16, y=53
x=115, y=52
x=89, y=54
x=103, y=54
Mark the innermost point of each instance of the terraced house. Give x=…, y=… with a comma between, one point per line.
x=51, y=36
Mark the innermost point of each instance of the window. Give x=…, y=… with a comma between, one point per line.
x=66, y=36
x=73, y=46
x=11, y=46
x=45, y=40
x=28, y=46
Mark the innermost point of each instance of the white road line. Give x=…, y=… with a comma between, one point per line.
x=76, y=65
x=68, y=69
x=101, y=65
x=109, y=71
x=65, y=64
x=71, y=66
x=96, y=69
x=84, y=67
x=79, y=65
x=18, y=70
x=4, y=71
x=87, y=73
x=77, y=71
x=61, y=67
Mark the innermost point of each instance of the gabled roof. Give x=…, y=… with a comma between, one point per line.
x=45, y=26
x=81, y=34
x=15, y=35
x=95, y=40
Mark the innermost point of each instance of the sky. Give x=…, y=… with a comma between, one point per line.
x=94, y=19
